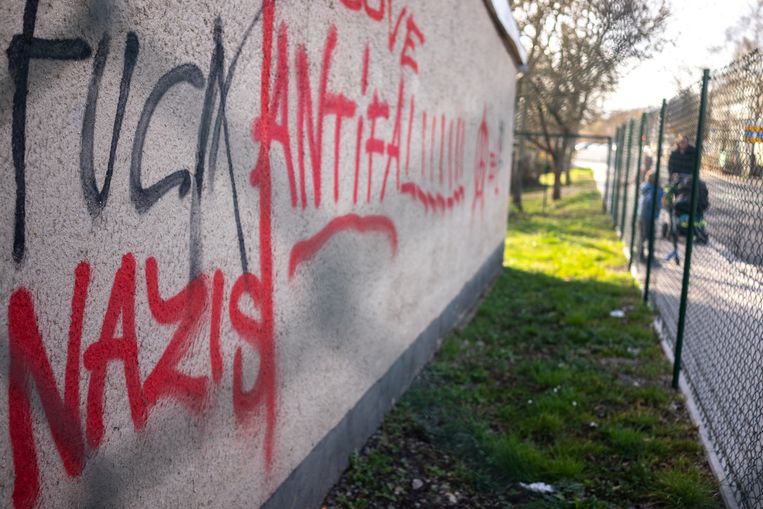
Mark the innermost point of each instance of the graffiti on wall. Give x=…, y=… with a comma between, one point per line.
x=433, y=173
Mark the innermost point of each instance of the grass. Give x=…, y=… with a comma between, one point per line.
x=543, y=385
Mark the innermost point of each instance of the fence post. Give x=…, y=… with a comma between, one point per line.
x=611, y=194
x=616, y=183
x=654, y=202
x=627, y=176
x=641, y=131
x=624, y=136
x=690, y=230
x=607, y=179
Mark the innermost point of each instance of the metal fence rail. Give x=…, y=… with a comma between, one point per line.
x=703, y=271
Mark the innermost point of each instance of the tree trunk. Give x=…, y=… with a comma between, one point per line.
x=516, y=182
x=558, y=169
x=560, y=160
x=567, y=166
x=567, y=179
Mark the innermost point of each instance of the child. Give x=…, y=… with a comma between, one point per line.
x=645, y=218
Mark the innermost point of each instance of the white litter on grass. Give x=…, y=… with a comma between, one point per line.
x=617, y=313
x=538, y=487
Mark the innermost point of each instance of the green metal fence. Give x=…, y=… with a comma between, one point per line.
x=702, y=268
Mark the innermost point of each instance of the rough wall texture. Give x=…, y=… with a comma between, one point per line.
x=224, y=223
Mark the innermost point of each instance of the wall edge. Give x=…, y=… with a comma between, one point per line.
x=508, y=31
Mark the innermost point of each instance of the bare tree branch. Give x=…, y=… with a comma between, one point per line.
x=577, y=51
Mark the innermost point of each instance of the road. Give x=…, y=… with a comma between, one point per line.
x=594, y=157
x=735, y=217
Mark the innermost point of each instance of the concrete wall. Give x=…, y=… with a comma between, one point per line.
x=230, y=233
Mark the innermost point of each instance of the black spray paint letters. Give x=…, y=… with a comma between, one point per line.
x=25, y=47
x=145, y=198
x=95, y=199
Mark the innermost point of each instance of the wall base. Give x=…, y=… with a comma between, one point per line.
x=321, y=469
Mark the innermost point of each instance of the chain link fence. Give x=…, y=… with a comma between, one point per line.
x=690, y=176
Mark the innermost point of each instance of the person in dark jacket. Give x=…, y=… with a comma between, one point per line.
x=682, y=159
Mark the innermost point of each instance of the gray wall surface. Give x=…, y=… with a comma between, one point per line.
x=231, y=233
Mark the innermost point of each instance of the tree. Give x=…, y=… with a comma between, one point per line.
x=577, y=50
x=747, y=33
x=604, y=125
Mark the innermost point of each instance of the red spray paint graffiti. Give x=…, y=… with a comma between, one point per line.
x=263, y=335
x=29, y=360
x=188, y=309
x=305, y=250
x=443, y=136
x=201, y=302
x=413, y=35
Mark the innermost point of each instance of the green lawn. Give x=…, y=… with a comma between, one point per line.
x=542, y=386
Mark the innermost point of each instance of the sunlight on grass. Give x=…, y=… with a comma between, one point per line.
x=583, y=245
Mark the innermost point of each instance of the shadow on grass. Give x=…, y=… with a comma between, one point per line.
x=544, y=385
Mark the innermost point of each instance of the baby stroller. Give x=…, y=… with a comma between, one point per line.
x=678, y=207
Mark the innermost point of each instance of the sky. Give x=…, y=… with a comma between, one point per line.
x=694, y=27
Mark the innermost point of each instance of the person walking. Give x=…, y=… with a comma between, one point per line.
x=682, y=159
x=646, y=219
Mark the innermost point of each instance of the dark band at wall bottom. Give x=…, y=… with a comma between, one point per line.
x=308, y=484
